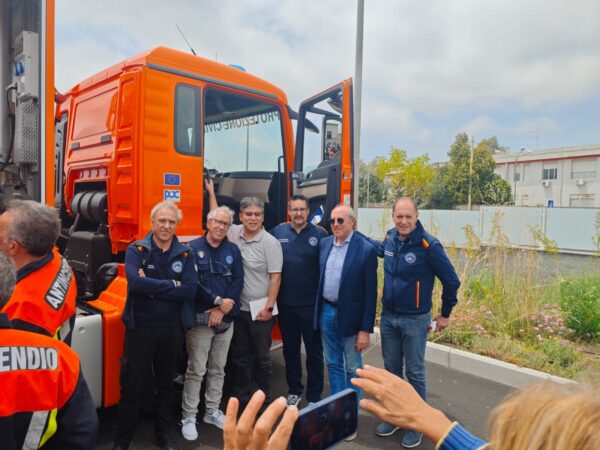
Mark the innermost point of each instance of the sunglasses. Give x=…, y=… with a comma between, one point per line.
x=338, y=220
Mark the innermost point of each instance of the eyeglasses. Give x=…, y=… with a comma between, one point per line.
x=253, y=213
x=221, y=224
x=297, y=210
x=338, y=220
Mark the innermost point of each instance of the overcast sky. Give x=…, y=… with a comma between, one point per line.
x=527, y=71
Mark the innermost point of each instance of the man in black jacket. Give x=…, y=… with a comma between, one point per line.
x=161, y=279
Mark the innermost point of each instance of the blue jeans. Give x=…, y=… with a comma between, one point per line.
x=341, y=356
x=403, y=341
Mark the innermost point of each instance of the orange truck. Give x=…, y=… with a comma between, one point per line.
x=148, y=129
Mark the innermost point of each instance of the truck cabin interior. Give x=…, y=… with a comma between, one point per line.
x=243, y=152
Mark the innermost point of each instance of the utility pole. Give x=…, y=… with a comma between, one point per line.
x=360, y=14
x=471, y=170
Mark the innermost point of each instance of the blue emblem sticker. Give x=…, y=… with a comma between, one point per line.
x=172, y=195
x=313, y=241
x=172, y=179
x=229, y=259
x=410, y=258
x=177, y=266
x=200, y=254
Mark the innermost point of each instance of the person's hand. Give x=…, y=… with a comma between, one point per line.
x=441, y=323
x=264, y=315
x=398, y=403
x=245, y=434
x=227, y=305
x=209, y=185
x=141, y=273
x=362, y=341
x=215, y=317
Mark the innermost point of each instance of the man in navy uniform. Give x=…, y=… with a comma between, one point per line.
x=221, y=277
x=299, y=241
x=161, y=278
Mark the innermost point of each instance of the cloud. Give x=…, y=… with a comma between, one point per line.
x=427, y=65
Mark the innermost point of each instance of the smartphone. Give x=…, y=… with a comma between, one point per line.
x=326, y=423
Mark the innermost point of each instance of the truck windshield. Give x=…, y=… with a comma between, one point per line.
x=240, y=133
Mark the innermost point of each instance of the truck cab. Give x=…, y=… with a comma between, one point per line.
x=152, y=128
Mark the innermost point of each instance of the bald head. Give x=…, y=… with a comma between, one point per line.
x=405, y=215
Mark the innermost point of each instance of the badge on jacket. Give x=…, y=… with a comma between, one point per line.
x=177, y=266
x=410, y=258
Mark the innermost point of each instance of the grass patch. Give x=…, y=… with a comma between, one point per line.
x=508, y=311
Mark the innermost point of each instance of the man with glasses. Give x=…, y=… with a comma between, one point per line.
x=347, y=298
x=250, y=350
x=221, y=277
x=296, y=301
x=44, y=299
x=45, y=399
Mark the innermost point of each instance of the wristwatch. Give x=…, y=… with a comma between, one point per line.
x=218, y=301
x=270, y=309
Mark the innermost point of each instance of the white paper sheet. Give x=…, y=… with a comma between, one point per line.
x=258, y=305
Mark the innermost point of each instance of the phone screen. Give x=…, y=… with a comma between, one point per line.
x=324, y=424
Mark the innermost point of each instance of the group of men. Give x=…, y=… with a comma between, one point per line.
x=219, y=295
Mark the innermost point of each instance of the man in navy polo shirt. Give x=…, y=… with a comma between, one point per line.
x=296, y=300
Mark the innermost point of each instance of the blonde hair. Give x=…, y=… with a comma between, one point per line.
x=547, y=416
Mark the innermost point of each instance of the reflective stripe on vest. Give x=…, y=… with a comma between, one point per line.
x=35, y=430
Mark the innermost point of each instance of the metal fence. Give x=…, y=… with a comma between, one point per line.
x=574, y=230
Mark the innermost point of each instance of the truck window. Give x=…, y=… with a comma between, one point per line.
x=240, y=133
x=95, y=115
x=187, y=119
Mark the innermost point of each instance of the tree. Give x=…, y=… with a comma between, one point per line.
x=459, y=176
x=440, y=197
x=370, y=188
x=406, y=177
x=497, y=192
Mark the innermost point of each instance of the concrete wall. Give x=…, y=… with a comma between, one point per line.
x=573, y=229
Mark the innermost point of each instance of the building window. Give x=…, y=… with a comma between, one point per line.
x=583, y=168
x=550, y=174
x=582, y=200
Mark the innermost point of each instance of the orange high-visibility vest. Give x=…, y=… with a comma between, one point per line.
x=38, y=376
x=45, y=297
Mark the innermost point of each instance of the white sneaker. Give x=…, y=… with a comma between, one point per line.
x=293, y=400
x=215, y=417
x=188, y=429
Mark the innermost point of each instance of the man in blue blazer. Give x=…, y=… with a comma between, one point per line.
x=347, y=297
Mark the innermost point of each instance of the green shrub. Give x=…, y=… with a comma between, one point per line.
x=580, y=301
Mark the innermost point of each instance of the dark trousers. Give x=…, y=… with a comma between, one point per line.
x=250, y=356
x=296, y=323
x=147, y=347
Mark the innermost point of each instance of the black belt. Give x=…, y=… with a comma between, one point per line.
x=329, y=302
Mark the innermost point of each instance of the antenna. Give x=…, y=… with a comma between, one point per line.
x=185, y=39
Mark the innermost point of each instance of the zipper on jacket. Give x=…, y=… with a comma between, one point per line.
x=417, y=294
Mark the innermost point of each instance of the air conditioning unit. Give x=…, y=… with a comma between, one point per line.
x=580, y=182
x=545, y=183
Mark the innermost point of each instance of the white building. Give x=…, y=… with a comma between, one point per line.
x=566, y=176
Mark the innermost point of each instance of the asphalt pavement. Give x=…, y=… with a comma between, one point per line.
x=463, y=397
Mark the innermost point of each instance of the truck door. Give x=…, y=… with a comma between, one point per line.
x=323, y=162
